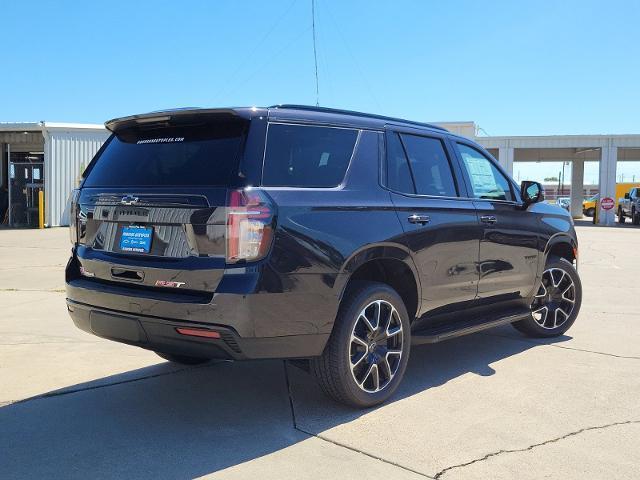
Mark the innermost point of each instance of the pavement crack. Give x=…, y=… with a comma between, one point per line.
x=290, y=395
x=69, y=391
x=442, y=472
x=333, y=442
x=531, y=341
x=54, y=290
x=55, y=342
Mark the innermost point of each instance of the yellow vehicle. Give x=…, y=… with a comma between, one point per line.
x=589, y=204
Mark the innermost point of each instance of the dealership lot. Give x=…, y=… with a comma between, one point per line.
x=491, y=405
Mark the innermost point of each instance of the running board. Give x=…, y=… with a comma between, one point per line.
x=447, y=331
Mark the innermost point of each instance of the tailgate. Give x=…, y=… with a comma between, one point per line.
x=153, y=238
x=152, y=206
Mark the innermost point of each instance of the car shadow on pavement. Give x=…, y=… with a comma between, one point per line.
x=430, y=366
x=163, y=422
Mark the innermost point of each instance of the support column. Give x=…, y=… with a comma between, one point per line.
x=9, y=216
x=2, y=179
x=608, y=164
x=505, y=157
x=577, y=187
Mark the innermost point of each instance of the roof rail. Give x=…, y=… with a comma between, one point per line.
x=360, y=114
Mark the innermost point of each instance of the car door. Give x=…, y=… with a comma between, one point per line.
x=440, y=225
x=508, y=260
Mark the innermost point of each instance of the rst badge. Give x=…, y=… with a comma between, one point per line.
x=170, y=284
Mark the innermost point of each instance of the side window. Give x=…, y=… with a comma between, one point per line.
x=429, y=165
x=487, y=182
x=398, y=174
x=307, y=156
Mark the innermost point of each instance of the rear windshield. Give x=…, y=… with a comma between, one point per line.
x=199, y=155
x=307, y=156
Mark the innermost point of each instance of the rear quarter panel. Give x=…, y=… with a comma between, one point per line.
x=320, y=231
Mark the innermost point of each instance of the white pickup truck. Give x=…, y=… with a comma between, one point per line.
x=629, y=206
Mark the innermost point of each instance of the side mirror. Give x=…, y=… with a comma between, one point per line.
x=531, y=192
x=626, y=196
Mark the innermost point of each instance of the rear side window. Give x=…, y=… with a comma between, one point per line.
x=429, y=166
x=205, y=154
x=398, y=173
x=307, y=156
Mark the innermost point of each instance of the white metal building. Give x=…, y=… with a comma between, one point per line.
x=43, y=156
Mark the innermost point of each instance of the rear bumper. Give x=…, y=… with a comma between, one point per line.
x=160, y=334
x=290, y=316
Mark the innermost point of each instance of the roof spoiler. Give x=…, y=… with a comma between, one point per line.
x=167, y=117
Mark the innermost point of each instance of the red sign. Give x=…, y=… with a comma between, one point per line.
x=607, y=203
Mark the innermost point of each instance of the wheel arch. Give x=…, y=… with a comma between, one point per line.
x=386, y=263
x=563, y=246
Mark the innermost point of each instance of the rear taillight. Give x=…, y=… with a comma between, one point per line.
x=73, y=216
x=249, y=225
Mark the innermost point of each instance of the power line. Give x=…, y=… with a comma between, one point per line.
x=315, y=54
x=239, y=84
x=353, y=57
x=480, y=129
x=245, y=60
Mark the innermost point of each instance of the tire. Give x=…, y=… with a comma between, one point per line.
x=635, y=218
x=345, y=370
x=590, y=212
x=621, y=217
x=183, y=359
x=546, y=325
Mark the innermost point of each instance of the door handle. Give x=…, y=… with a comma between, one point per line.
x=123, y=274
x=490, y=219
x=421, y=219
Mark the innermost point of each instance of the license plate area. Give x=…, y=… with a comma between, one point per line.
x=136, y=239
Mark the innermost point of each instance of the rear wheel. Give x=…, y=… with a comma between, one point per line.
x=183, y=359
x=557, y=303
x=590, y=212
x=621, y=218
x=367, y=352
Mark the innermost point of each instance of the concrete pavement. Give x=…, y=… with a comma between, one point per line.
x=493, y=405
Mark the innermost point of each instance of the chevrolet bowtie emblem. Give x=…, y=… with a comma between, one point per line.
x=129, y=200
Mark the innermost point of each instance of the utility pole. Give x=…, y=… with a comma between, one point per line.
x=559, y=182
x=315, y=55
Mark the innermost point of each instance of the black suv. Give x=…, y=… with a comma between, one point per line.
x=334, y=237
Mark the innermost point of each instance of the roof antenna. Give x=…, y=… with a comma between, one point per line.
x=315, y=55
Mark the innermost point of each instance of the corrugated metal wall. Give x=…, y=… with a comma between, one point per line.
x=66, y=153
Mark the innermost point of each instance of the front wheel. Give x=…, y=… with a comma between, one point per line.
x=367, y=352
x=635, y=217
x=590, y=212
x=621, y=218
x=557, y=302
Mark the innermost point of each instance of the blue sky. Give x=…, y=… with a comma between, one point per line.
x=544, y=67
